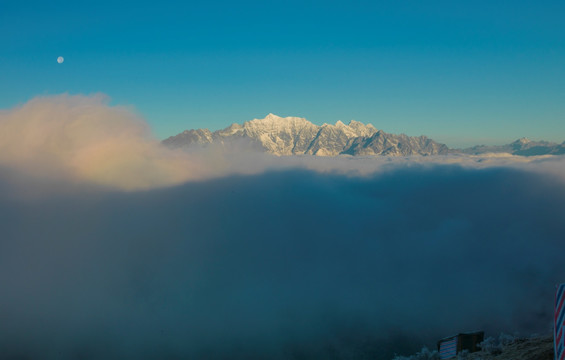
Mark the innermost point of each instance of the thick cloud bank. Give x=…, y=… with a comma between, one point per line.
x=283, y=265
x=301, y=258
x=80, y=138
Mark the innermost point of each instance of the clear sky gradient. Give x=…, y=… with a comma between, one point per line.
x=461, y=72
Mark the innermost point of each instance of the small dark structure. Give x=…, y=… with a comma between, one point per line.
x=449, y=347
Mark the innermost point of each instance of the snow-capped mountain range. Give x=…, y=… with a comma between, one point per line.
x=296, y=136
x=522, y=147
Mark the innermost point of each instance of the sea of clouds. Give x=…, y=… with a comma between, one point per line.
x=112, y=246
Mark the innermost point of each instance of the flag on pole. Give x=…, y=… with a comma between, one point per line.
x=559, y=321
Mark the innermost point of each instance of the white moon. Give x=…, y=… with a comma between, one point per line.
x=60, y=59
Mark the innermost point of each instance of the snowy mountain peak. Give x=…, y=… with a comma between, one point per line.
x=339, y=123
x=271, y=116
x=359, y=125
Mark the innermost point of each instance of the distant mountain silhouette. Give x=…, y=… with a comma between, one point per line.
x=522, y=147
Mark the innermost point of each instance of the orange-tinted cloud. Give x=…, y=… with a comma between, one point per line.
x=82, y=138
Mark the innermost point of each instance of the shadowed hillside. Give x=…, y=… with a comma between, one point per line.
x=506, y=347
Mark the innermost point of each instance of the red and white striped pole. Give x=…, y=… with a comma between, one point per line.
x=559, y=323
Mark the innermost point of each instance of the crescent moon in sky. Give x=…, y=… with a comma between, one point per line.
x=60, y=59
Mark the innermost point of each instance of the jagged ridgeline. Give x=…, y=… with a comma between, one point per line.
x=297, y=136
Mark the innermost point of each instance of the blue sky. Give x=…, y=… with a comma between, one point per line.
x=460, y=72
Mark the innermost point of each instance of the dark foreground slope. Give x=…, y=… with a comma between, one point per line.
x=537, y=348
x=506, y=347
